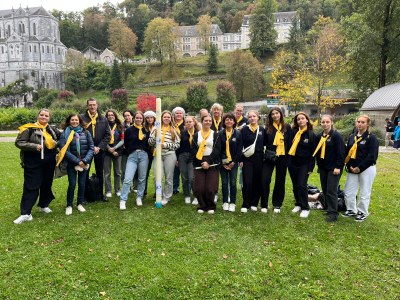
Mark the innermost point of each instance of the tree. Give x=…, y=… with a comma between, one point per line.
x=196, y=96
x=119, y=99
x=204, y=30
x=70, y=28
x=75, y=71
x=159, y=41
x=94, y=29
x=146, y=102
x=185, y=12
x=373, y=44
x=246, y=74
x=226, y=94
x=115, y=76
x=122, y=39
x=262, y=31
x=212, y=61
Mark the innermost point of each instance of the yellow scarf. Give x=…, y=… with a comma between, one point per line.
x=279, y=140
x=92, y=122
x=202, y=148
x=216, y=123
x=141, y=135
x=190, y=132
x=296, y=141
x=49, y=142
x=164, y=130
x=228, y=150
x=322, y=145
x=64, y=149
x=353, y=150
x=112, y=134
x=253, y=127
x=177, y=127
x=238, y=121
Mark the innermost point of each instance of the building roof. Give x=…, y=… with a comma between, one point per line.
x=385, y=98
x=90, y=48
x=38, y=11
x=191, y=31
x=279, y=17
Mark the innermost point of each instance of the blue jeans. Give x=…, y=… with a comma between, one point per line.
x=72, y=173
x=137, y=160
x=228, y=179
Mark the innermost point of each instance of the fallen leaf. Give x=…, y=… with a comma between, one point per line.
x=102, y=294
x=225, y=256
x=270, y=264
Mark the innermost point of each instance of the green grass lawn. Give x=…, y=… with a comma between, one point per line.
x=174, y=253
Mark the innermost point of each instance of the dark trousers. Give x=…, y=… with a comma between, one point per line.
x=329, y=184
x=72, y=174
x=252, y=181
x=176, y=183
x=205, y=185
x=279, y=187
x=228, y=179
x=38, y=182
x=151, y=157
x=299, y=176
x=98, y=160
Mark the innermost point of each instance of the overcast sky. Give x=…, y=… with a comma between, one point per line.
x=64, y=5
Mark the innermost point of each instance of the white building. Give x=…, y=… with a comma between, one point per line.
x=30, y=48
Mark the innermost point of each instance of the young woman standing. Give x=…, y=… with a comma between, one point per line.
x=185, y=159
x=170, y=142
x=149, y=120
x=301, y=162
x=361, y=155
x=231, y=153
x=78, y=154
x=277, y=142
x=113, y=154
x=330, y=159
x=128, y=121
x=252, y=170
x=206, y=148
x=135, y=142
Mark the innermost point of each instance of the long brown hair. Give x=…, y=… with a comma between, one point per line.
x=296, y=125
x=269, y=123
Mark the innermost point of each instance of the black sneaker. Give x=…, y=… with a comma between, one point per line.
x=331, y=218
x=360, y=217
x=349, y=213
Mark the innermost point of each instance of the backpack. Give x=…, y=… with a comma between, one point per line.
x=92, y=190
x=341, y=202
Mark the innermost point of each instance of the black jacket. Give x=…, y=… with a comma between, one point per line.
x=102, y=133
x=215, y=154
x=235, y=145
x=86, y=146
x=305, y=150
x=185, y=144
x=248, y=138
x=334, y=152
x=367, y=151
x=287, y=135
x=132, y=142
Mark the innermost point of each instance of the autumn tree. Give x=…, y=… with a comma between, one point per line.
x=262, y=31
x=185, y=12
x=122, y=39
x=226, y=94
x=246, y=74
x=197, y=96
x=94, y=29
x=146, y=102
x=75, y=76
x=204, y=31
x=159, y=41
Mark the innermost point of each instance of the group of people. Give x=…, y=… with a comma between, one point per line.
x=392, y=133
x=200, y=150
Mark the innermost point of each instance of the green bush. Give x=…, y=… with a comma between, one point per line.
x=46, y=98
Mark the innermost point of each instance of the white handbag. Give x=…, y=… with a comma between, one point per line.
x=249, y=151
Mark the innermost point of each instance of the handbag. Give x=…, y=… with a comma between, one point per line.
x=60, y=170
x=270, y=155
x=249, y=151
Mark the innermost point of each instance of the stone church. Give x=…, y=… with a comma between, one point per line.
x=30, y=48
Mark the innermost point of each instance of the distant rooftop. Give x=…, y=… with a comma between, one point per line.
x=385, y=98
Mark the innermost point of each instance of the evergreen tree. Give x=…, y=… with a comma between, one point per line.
x=115, y=79
x=262, y=31
x=212, y=62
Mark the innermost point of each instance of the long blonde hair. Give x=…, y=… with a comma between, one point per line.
x=172, y=124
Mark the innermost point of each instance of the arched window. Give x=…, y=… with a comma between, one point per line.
x=34, y=28
x=8, y=30
x=20, y=28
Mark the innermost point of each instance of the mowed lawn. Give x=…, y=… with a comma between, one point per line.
x=174, y=253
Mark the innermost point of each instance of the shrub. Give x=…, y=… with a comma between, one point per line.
x=66, y=95
x=146, y=102
x=197, y=96
x=46, y=98
x=226, y=95
x=119, y=99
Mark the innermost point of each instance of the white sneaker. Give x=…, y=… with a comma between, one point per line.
x=46, y=210
x=108, y=195
x=195, y=202
x=304, y=213
x=139, y=201
x=187, y=200
x=122, y=205
x=232, y=207
x=216, y=198
x=200, y=211
x=296, y=209
x=22, y=219
x=81, y=208
x=277, y=210
x=164, y=201
x=211, y=212
x=264, y=210
x=118, y=193
x=253, y=208
x=243, y=210
x=68, y=210
x=225, y=206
